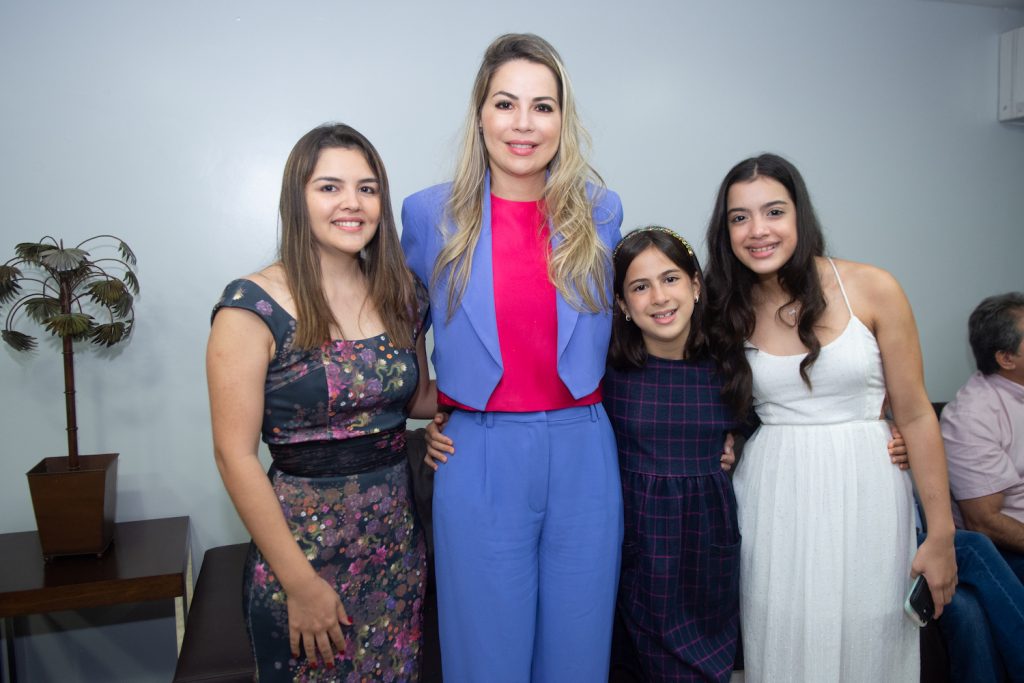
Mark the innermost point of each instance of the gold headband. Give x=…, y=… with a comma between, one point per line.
x=653, y=228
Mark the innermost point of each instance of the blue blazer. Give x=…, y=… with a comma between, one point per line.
x=467, y=357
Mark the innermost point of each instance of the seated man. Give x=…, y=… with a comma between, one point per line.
x=983, y=430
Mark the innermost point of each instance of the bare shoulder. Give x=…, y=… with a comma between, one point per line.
x=875, y=294
x=863, y=280
x=273, y=281
x=243, y=324
x=239, y=330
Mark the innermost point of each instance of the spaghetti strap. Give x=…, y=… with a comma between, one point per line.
x=841, y=288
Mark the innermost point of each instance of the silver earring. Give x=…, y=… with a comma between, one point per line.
x=696, y=298
x=628, y=318
x=362, y=254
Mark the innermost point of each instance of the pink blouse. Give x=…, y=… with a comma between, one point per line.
x=526, y=313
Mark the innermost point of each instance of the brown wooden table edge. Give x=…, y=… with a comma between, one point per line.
x=96, y=594
x=106, y=592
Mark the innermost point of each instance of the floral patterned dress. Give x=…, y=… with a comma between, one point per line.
x=334, y=419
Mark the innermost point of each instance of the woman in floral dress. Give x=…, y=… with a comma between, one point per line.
x=321, y=353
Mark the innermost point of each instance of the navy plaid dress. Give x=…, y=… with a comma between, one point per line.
x=679, y=591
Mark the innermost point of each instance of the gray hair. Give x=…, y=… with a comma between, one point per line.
x=993, y=327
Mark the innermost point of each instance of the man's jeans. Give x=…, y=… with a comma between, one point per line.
x=984, y=624
x=1016, y=562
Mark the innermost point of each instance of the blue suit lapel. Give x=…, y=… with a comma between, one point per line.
x=567, y=318
x=478, y=301
x=567, y=315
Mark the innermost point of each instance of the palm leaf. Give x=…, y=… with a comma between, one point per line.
x=42, y=308
x=74, y=325
x=131, y=280
x=109, y=334
x=9, y=272
x=19, y=341
x=31, y=251
x=126, y=252
x=62, y=260
x=9, y=286
x=112, y=294
x=123, y=307
x=107, y=292
x=75, y=276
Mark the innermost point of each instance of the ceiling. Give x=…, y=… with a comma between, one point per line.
x=1006, y=4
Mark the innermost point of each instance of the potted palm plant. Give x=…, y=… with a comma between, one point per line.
x=78, y=298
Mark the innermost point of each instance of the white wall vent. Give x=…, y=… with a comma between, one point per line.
x=1011, y=76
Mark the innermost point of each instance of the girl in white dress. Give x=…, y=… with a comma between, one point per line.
x=814, y=345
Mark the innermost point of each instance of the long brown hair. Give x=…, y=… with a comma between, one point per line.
x=578, y=264
x=731, y=284
x=391, y=287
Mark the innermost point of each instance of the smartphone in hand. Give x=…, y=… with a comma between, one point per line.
x=918, y=605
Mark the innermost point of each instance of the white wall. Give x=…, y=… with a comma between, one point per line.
x=168, y=124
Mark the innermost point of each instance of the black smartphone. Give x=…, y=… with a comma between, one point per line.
x=918, y=605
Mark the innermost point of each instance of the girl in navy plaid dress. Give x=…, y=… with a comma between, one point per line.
x=679, y=589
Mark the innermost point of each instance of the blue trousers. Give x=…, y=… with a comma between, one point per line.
x=984, y=624
x=527, y=539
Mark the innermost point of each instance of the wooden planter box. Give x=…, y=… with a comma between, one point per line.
x=74, y=509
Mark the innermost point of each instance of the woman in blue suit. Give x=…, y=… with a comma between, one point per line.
x=528, y=517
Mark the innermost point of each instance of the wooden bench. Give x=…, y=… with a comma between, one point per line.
x=216, y=645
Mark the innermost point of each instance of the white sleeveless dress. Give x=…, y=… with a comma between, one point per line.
x=827, y=522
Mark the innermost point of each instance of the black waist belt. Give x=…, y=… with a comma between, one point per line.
x=340, y=457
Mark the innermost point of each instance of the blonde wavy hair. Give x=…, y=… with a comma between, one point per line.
x=579, y=263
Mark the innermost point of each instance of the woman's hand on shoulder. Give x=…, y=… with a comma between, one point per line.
x=936, y=559
x=315, y=615
x=439, y=446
